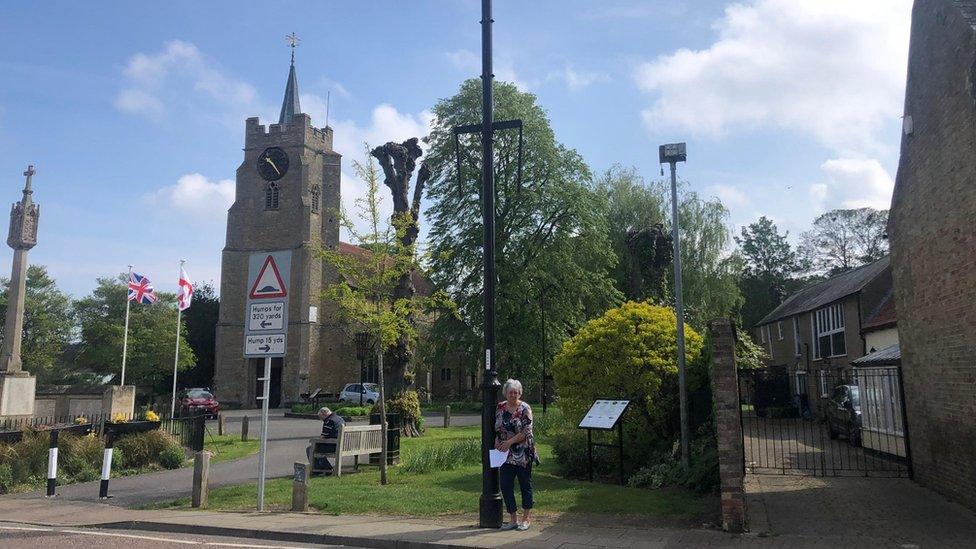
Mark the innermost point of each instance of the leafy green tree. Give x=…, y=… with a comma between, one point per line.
x=841, y=240
x=48, y=325
x=152, y=333
x=201, y=335
x=550, y=232
x=771, y=269
x=365, y=294
x=628, y=352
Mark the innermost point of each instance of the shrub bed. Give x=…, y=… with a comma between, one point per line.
x=23, y=465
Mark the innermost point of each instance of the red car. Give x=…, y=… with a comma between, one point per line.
x=199, y=401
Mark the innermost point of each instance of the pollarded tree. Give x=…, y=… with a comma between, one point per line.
x=629, y=352
x=398, y=161
x=365, y=295
x=550, y=231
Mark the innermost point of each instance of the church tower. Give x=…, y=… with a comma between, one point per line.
x=287, y=198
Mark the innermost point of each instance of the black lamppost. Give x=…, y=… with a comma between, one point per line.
x=490, y=504
x=362, y=351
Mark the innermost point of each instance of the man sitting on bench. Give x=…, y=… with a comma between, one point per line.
x=331, y=422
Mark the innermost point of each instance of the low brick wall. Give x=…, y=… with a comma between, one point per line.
x=728, y=424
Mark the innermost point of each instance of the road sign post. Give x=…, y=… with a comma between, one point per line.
x=266, y=331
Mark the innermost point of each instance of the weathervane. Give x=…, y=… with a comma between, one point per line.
x=293, y=42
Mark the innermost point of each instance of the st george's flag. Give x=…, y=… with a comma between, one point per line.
x=185, y=295
x=140, y=289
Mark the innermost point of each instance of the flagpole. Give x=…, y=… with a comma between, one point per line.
x=125, y=337
x=176, y=359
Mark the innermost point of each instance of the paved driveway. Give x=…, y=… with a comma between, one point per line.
x=862, y=512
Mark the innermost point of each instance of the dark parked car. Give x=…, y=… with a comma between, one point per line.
x=843, y=410
x=198, y=401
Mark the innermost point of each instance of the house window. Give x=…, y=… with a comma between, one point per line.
x=779, y=329
x=801, y=383
x=445, y=374
x=316, y=194
x=824, y=384
x=271, y=197
x=796, y=336
x=829, y=338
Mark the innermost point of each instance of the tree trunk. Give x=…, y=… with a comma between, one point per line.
x=398, y=161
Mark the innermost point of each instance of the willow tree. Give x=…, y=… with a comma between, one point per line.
x=550, y=231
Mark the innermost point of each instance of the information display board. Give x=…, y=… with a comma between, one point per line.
x=604, y=414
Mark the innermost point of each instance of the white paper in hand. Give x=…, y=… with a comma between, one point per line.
x=497, y=458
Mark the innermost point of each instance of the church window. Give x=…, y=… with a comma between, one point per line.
x=271, y=197
x=316, y=198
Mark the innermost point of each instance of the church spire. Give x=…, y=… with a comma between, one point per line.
x=290, y=106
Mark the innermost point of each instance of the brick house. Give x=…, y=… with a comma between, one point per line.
x=817, y=332
x=932, y=233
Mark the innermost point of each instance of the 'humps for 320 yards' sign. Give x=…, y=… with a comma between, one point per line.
x=266, y=310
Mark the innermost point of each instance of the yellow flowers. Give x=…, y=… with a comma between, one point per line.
x=80, y=420
x=118, y=418
x=151, y=416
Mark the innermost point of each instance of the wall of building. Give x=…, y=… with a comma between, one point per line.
x=881, y=339
x=933, y=248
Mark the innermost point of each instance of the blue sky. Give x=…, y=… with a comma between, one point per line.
x=133, y=113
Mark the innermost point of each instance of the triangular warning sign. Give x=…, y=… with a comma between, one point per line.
x=268, y=283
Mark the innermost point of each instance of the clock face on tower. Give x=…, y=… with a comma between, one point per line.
x=272, y=164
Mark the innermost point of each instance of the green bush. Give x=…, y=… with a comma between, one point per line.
x=144, y=449
x=442, y=457
x=304, y=408
x=406, y=404
x=551, y=422
x=353, y=410
x=6, y=478
x=172, y=457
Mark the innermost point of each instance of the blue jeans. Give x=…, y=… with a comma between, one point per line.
x=507, y=473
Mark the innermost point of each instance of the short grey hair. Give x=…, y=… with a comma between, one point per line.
x=511, y=384
x=324, y=411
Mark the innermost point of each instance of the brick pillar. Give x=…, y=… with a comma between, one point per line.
x=728, y=424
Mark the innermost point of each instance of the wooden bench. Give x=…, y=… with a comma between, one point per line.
x=353, y=440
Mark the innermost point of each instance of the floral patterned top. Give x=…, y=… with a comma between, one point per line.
x=510, y=424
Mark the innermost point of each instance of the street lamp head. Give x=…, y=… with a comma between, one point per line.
x=672, y=152
x=362, y=345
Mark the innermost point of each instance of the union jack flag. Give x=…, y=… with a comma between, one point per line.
x=140, y=289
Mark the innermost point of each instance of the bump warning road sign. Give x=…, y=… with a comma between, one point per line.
x=268, y=284
x=266, y=309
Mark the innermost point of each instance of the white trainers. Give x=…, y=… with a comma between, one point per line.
x=522, y=526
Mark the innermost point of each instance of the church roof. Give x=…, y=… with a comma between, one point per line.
x=290, y=106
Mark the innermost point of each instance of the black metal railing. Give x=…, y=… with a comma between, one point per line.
x=824, y=422
x=189, y=430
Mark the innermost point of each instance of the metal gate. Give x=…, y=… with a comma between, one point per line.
x=824, y=423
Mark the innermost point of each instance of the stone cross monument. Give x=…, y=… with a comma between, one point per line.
x=16, y=386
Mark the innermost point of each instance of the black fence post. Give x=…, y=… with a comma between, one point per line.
x=52, y=464
x=106, y=465
x=199, y=426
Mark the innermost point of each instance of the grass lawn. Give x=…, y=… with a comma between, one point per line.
x=456, y=491
x=228, y=447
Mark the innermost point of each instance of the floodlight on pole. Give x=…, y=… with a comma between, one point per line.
x=672, y=153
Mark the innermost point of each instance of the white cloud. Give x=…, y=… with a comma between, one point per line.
x=196, y=197
x=831, y=69
x=730, y=195
x=386, y=124
x=161, y=80
x=468, y=61
x=576, y=79
x=852, y=183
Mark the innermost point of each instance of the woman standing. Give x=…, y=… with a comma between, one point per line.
x=513, y=434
